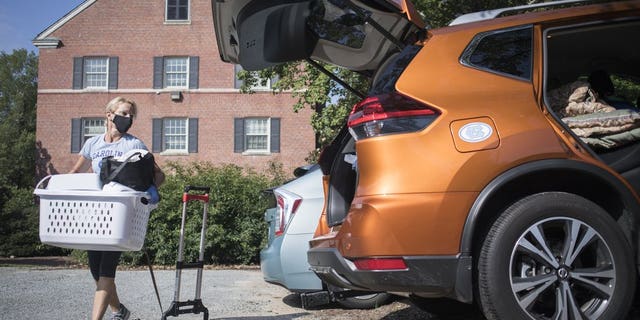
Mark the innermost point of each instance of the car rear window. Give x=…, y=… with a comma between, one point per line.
x=385, y=80
x=507, y=52
x=331, y=22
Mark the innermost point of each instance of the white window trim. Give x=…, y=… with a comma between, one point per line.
x=174, y=152
x=164, y=71
x=85, y=73
x=261, y=87
x=267, y=150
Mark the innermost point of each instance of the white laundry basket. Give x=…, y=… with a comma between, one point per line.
x=77, y=212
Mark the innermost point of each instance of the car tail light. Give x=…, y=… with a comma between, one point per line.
x=287, y=204
x=388, y=113
x=380, y=264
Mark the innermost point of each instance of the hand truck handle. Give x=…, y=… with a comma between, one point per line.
x=204, y=189
x=186, y=196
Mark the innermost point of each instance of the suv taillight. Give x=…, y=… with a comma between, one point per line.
x=287, y=204
x=388, y=113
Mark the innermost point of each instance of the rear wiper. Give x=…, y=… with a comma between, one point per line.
x=335, y=78
x=367, y=18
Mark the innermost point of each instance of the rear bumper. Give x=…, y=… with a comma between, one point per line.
x=427, y=276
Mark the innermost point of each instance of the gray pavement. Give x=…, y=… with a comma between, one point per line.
x=27, y=293
x=34, y=293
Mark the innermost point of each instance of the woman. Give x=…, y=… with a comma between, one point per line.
x=115, y=142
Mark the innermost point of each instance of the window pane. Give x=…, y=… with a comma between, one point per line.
x=96, y=72
x=177, y=9
x=175, y=134
x=92, y=127
x=340, y=25
x=256, y=134
x=176, y=71
x=256, y=142
x=260, y=84
x=504, y=52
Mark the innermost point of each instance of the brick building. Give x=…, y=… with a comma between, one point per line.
x=163, y=55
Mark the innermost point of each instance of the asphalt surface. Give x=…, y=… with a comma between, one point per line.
x=55, y=292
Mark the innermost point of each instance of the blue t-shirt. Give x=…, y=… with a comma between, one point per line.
x=97, y=148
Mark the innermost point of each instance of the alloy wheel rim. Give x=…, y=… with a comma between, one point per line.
x=562, y=268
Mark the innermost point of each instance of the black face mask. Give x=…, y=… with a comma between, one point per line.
x=122, y=123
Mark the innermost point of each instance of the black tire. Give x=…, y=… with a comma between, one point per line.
x=367, y=301
x=528, y=269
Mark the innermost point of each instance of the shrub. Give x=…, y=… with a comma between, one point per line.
x=235, y=230
x=19, y=228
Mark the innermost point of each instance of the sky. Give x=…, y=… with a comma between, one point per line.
x=22, y=20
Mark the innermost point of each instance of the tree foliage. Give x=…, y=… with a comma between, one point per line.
x=18, y=213
x=18, y=93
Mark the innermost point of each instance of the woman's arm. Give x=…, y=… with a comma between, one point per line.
x=82, y=165
x=158, y=175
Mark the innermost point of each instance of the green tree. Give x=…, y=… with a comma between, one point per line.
x=18, y=92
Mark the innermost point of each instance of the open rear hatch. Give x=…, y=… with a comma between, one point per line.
x=358, y=35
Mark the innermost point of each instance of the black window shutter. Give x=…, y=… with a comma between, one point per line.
x=158, y=72
x=76, y=135
x=193, y=135
x=238, y=135
x=156, y=136
x=78, y=66
x=238, y=83
x=113, y=72
x=275, y=134
x=194, y=64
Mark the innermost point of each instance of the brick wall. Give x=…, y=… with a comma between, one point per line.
x=135, y=32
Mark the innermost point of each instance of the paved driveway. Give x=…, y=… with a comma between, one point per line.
x=63, y=293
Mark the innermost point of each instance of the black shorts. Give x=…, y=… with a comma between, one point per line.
x=103, y=263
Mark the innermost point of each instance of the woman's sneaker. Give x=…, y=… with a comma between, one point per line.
x=123, y=314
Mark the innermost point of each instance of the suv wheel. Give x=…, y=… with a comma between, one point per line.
x=367, y=301
x=555, y=256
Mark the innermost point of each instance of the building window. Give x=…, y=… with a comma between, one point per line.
x=92, y=127
x=95, y=73
x=174, y=135
x=82, y=129
x=175, y=72
x=177, y=136
x=257, y=135
x=177, y=10
x=261, y=84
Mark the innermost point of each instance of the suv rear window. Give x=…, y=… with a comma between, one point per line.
x=506, y=51
x=335, y=24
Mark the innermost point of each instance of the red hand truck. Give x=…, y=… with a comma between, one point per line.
x=190, y=306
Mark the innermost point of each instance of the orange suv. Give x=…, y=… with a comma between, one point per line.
x=495, y=161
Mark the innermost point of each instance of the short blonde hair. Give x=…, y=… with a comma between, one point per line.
x=112, y=106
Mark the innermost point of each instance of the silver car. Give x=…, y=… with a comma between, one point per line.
x=292, y=223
